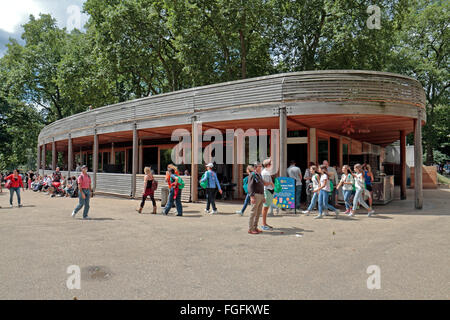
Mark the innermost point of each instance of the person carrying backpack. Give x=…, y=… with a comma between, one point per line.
x=314, y=185
x=245, y=187
x=211, y=190
x=346, y=183
x=176, y=185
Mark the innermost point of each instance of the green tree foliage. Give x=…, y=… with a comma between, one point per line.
x=422, y=51
x=135, y=48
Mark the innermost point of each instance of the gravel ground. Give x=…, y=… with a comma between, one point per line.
x=124, y=255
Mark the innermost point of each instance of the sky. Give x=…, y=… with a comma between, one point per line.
x=15, y=13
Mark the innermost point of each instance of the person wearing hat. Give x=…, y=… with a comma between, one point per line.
x=213, y=184
x=84, y=192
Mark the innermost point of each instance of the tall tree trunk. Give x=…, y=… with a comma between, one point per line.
x=243, y=47
x=243, y=55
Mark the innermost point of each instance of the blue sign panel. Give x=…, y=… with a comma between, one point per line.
x=286, y=198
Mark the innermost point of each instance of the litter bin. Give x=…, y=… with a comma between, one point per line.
x=164, y=195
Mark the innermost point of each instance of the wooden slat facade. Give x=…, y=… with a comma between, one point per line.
x=310, y=92
x=313, y=99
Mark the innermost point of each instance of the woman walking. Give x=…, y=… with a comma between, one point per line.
x=368, y=178
x=211, y=190
x=315, y=189
x=359, y=185
x=346, y=183
x=245, y=186
x=84, y=192
x=149, y=190
x=14, y=186
x=324, y=191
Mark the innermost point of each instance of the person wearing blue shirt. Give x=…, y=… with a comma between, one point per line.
x=211, y=190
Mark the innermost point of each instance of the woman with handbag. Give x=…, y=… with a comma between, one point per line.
x=150, y=185
x=14, y=183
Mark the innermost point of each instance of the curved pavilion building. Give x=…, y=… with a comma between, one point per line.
x=344, y=116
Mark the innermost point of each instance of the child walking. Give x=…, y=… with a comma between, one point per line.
x=324, y=190
x=359, y=185
x=245, y=187
x=347, y=187
x=315, y=189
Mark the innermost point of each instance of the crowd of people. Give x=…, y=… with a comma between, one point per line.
x=53, y=185
x=321, y=185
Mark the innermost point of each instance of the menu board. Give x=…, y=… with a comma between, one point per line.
x=286, y=198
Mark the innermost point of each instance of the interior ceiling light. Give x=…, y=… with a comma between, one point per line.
x=347, y=127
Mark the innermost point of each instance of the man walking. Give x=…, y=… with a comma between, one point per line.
x=84, y=192
x=256, y=192
x=211, y=190
x=268, y=192
x=294, y=172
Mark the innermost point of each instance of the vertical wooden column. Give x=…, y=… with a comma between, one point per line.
x=312, y=145
x=141, y=157
x=159, y=160
x=95, y=161
x=403, y=165
x=341, y=152
x=44, y=156
x=134, y=164
x=112, y=159
x=38, y=161
x=194, y=160
x=240, y=184
x=235, y=168
x=53, y=154
x=283, y=142
x=70, y=156
x=418, y=162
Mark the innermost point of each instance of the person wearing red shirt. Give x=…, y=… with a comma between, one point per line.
x=15, y=185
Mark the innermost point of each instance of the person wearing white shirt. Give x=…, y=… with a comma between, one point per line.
x=324, y=189
x=347, y=187
x=359, y=186
x=268, y=192
x=333, y=176
x=294, y=172
x=315, y=188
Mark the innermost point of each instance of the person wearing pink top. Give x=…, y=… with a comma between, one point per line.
x=84, y=192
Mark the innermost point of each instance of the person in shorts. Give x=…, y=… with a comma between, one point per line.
x=266, y=175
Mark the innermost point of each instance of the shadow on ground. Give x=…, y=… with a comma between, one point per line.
x=286, y=231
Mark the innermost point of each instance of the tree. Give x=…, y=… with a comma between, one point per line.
x=333, y=34
x=220, y=40
x=422, y=52
x=134, y=43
